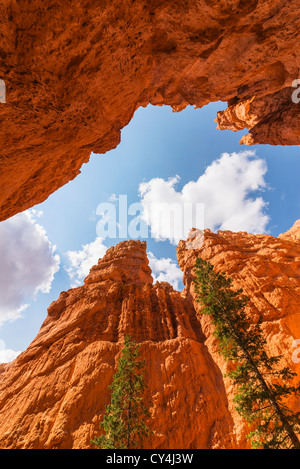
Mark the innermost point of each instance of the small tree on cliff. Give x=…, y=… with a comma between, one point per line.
x=124, y=420
x=262, y=384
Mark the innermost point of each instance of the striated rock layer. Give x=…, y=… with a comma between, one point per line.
x=54, y=394
x=76, y=71
x=268, y=270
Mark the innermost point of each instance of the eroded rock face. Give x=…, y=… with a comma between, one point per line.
x=54, y=394
x=268, y=270
x=76, y=71
x=265, y=117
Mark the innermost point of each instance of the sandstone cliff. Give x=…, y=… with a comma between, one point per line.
x=75, y=73
x=268, y=270
x=53, y=395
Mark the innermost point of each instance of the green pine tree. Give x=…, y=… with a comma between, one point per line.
x=263, y=384
x=124, y=420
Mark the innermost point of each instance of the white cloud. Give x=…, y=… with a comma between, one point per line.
x=81, y=261
x=7, y=355
x=28, y=263
x=227, y=191
x=165, y=270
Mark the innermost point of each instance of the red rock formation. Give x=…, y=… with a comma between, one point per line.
x=264, y=116
x=268, y=270
x=54, y=394
x=76, y=72
x=293, y=234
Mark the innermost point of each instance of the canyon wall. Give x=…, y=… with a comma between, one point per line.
x=268, y=270
x=76, y=71
x=54, y=394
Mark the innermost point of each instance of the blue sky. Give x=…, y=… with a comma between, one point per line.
x=157, y=145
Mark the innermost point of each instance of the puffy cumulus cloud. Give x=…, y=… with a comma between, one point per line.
x=28, y=263
x=7, y=355
x=80, y=262
x=165, y=270
x=224, y=197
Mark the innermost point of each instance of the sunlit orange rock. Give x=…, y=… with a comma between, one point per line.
x=76, y=72
x=54, y=394
x=268, y=270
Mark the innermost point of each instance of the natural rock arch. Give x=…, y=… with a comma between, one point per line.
x=75, y=73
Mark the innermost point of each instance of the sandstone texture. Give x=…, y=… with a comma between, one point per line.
x=76, y=71
x=268, y=270
x=54, y=394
